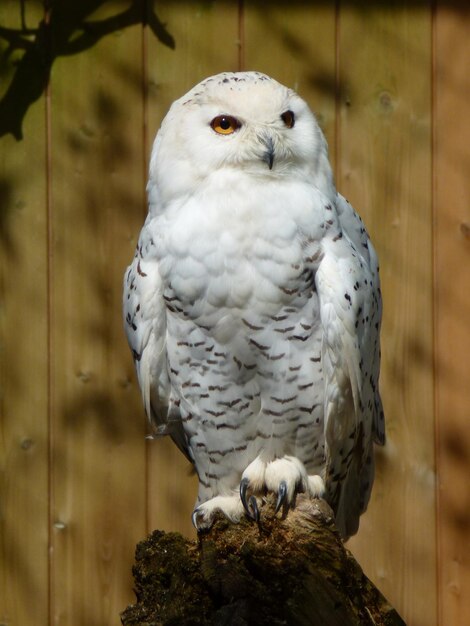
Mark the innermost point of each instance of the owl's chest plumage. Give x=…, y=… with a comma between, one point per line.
x=244, y=343
x=250, y=247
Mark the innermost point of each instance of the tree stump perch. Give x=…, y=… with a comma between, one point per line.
x=292, y=571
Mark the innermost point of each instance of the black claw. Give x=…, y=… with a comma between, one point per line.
x=281, y=495
x=206, y=525
x=243, y=487
x=254, y=505
x=194, y=518
x=250, y=505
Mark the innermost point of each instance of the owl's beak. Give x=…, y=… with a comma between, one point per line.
x=268, y=155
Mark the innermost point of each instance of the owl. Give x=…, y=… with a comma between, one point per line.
x=252, y=305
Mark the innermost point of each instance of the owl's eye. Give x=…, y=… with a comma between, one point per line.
x=225, y=124
x=288, y=118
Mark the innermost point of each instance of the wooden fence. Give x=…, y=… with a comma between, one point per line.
x=390, y=83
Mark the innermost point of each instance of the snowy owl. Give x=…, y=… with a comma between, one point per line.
x=252, y=305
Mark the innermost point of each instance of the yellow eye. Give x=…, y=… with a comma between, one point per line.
x=288, y=118
x=225, y=124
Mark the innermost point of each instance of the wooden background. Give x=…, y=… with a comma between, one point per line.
x=390, y=82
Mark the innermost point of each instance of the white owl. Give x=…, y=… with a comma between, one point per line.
x=252, y=305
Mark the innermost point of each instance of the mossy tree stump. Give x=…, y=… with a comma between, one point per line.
x=292, y=571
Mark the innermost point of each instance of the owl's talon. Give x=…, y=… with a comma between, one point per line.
x=281, y=495
x=250, y=505
x=201, y=522
x=255, y=510
x=243, y=487
x=194, y=518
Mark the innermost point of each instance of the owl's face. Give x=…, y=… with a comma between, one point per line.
x=241, y=123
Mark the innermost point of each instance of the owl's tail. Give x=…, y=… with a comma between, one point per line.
x=354, y=492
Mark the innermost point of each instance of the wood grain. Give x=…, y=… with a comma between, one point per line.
x=384, y=168
x=452, y=306
x=24, y=441
x=98, y=451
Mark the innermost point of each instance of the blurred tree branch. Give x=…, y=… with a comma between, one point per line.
x=65, y=29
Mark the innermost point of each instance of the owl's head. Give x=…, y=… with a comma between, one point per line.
x=244, y=123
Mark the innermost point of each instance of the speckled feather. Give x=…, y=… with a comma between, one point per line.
x=252, y=306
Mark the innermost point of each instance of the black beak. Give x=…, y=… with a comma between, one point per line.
x=268, y=156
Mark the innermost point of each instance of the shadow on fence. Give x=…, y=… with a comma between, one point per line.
x=65, y=29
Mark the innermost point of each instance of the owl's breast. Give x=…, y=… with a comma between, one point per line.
x=258, y=247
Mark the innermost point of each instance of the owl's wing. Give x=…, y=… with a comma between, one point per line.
x=145, y=325
x=350, y=311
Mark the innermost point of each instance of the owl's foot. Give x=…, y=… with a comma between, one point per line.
x=286, y=477
x=230, y=506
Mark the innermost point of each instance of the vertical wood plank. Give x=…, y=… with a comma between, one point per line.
x=297, y=48
x=206, y=42
x=97, y=441
x=452, y=301
x=23, y=356
x=384, y=168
